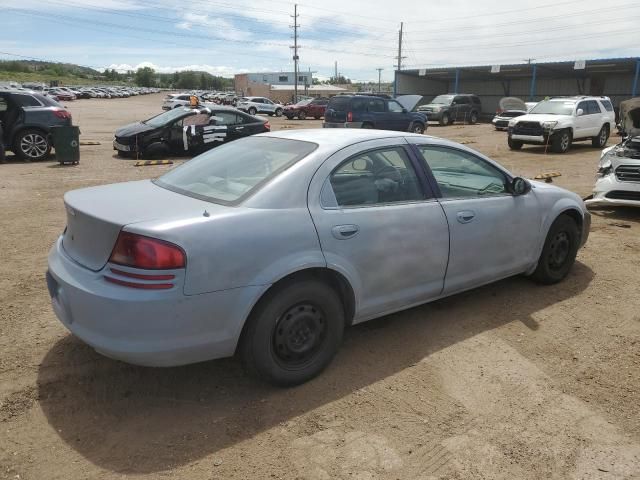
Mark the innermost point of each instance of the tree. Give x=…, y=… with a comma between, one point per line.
x=145, y=77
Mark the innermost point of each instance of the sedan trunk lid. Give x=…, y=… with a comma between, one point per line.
x=96, y=215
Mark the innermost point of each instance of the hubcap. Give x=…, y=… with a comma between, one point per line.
x=299, y=334
x=417, y=129
x=565, y=142
x=559, y=250
x=603, y=136
x=33, y=145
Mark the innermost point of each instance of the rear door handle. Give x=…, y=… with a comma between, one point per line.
x=344, y=232
x=466, y=216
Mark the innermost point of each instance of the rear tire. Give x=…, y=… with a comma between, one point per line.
x=514, y=144
x=473, y=119
x=559, y=251
x=600, y=140
x=278, y=112
x=561, y=141
x=293, y=333
x=32, y=145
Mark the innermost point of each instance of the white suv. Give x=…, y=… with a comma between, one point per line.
x=174, y=100
x=558, y=122
x=253, y=105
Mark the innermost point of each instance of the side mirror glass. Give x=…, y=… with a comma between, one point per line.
x=519, y=186
x=579, y=112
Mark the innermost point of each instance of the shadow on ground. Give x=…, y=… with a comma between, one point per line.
x=131, y=419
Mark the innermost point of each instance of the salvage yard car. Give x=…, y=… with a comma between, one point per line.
x=558, y=122
x=372, y=111
x=452, y=107
x=27, y=119
x=186, y=130
x=255, y=105
x=510, y=107
x=271, y=245
x=307, y=108
x=618, y=177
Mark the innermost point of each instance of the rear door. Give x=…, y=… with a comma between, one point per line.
x=494, y=234
x=377, y=114
x=379, y=226
x=337, y=109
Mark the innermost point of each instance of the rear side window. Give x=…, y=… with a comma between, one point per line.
x=359, y=105
x=340, y=104
x=26, y=101
x=593, y=107
x=607, y=105
x=376, y=105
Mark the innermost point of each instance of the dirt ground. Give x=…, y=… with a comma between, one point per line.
x=510, y=381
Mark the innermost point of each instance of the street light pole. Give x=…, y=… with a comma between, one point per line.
x=379, y=79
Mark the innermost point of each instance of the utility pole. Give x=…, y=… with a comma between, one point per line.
x=379, y=78
x=529, y=60
x=336, y=72
x=295, y=52
x=400, y=57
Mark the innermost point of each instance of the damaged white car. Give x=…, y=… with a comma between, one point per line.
x=618, y=177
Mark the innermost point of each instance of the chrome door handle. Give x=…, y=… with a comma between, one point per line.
x=466, y=216
x=343, y=232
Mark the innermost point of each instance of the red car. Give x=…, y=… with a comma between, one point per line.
x=307, y=108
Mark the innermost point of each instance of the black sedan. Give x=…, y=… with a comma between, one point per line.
x=186, y=130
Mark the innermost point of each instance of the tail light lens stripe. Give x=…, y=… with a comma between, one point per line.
x=142, y=286
x=141, y=276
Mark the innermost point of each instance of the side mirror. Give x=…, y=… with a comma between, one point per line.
x=519, y=186
x=404, y=110
x=579, y=112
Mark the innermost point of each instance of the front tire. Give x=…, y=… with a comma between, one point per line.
x=252, y=111
x=293, y=333
x=600, y=140
x=302, y=115
x=561, y=141
x=559, y=251
x=417, y=128
x=32, y=145
x=514, y=144
x=444, y=120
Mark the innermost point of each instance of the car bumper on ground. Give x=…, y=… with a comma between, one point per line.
x=609, y=191
x=158, y=328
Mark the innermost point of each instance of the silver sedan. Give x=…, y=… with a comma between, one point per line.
x=271, y=245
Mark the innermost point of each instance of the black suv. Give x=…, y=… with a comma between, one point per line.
x=372, y=111
x=27, y=119
x=452, y=107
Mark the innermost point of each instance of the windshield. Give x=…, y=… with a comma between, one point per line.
x=554, y=108
x=232, y=171
x=302, y=103
x=166, y=117
x=443, y=99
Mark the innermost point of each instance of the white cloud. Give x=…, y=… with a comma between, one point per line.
x=219, y=70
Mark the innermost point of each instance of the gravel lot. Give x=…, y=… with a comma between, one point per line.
x=510, y=381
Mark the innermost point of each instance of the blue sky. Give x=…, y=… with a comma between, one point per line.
x=226, y=37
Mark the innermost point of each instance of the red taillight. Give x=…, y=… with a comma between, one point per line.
x=138, y=251
x=349, y=116
x=267, y=126
x=61, y=113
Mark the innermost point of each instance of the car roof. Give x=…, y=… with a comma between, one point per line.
x=339, y=137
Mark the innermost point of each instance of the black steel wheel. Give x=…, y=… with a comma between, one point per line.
x=559, y=251
x=293, y=333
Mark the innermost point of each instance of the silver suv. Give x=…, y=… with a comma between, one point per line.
x=557, y=122
x=253, y=105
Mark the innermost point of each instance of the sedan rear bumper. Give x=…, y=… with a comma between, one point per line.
x=159, y=328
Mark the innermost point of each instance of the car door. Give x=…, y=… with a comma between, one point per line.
x=380, y=226
x=377, y=113
x=398, y=116
x=581, y=122
x=462, y=109
x=494, y=234
x=269, y=106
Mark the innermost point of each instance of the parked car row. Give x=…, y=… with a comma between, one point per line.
x=74, y=93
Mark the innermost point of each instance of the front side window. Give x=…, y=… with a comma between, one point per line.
x=583, y=106
x=231, y=172
x=376, y=177
x=166, y=117
x=395, y=107
x=463, y=175
x=462, y=100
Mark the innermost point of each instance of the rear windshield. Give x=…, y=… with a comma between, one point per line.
x=233, y=171
x=340, y=104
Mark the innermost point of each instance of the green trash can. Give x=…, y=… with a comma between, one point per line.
x=66, y=141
